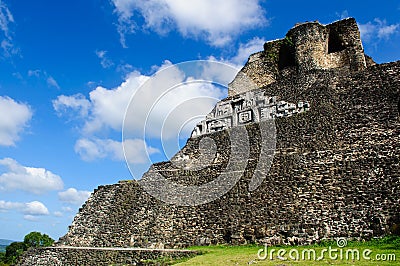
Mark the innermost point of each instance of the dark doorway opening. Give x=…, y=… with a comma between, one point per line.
x=335, y=43
x=286, y=56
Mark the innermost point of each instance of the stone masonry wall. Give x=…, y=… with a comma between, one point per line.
x=335, y=173
x=258, y=71
x=99, y=256
x=306, y=47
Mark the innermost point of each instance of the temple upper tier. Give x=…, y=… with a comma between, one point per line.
x=306, y=46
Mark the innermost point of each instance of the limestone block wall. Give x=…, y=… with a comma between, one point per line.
x=66, y=256
x=332, y=46
x=345, y=34
x=310, y=45
x=258, y=71
x=335, y=173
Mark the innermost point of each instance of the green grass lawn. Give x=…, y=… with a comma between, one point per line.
x=382, y=252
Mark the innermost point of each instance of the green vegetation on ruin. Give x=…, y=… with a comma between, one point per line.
x=14, y=250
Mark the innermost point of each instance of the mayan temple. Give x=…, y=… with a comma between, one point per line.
x=335, y=169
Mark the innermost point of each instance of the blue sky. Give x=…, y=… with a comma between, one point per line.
x=68, y=68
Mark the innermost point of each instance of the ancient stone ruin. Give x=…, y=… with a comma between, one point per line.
x=335, y=172
x=248, y=107
x=307, y=46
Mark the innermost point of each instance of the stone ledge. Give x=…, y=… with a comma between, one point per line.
x=87, y=256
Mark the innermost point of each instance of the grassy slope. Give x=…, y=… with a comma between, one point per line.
x=247, y=255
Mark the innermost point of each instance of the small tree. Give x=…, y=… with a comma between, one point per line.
x=36, y=239
x=14, y=250
x=33, y=239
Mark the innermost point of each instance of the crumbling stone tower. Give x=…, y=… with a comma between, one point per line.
x=307, y=46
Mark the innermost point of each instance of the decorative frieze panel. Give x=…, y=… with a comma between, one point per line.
x=252, y=106
x=245, y=117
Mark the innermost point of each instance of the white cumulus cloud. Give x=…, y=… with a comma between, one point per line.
x=35, y=208
x=378, y=30
x=136, y=151
x=14, y=117
x=106, y=108
x=31, y=209
x=34, y=180
x=74, y=196
x=92, y=149
x=109, y=105
x=217, y=21
x=162, y=105
x=246, y=49
x=165, y=102
x=76, y=102
x=8, y=205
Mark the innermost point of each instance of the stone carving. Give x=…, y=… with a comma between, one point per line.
x=248, y=107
